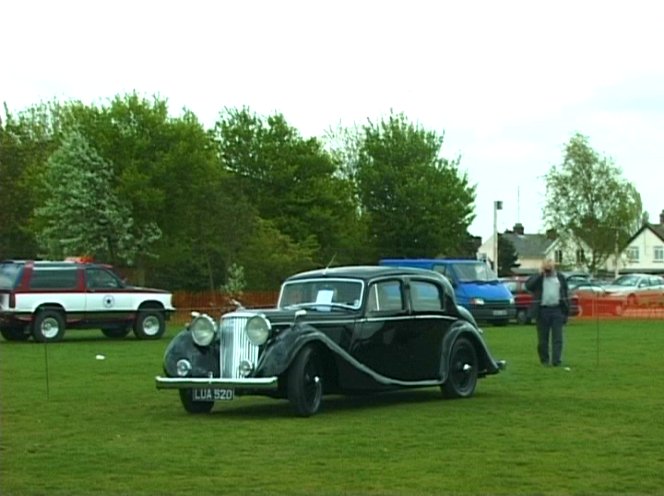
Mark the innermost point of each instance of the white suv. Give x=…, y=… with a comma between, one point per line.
x=41, y=299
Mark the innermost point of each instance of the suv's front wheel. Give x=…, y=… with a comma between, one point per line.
x=48, y=326
x=149, y=324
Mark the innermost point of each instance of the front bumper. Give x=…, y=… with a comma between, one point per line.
x=201, y=382
x=491, y=314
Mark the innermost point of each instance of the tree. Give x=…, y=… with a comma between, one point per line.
x=507, y=256
x=26, y=141
x=293, y=182
x=82, y=215
x=417, y=203
x=589, y=202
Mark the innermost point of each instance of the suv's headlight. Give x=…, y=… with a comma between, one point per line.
x=203, y=330
x=477, y=301
x=258, y=329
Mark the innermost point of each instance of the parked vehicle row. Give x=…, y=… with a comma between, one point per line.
x=629, y=291
x=613, y=297
x=524, y=303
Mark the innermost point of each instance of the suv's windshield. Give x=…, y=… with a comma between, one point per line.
x=475, y=272
x=323, y=292
x=9, y=275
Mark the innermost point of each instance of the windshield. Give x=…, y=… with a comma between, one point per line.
x=321, y=292
x=475, y=272
x=626, y=281
x=9, y=273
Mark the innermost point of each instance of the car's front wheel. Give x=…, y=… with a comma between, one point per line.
x=462, y=371
x=305, y=383
x=48, y=326
x=191, y=406
x=149, y=324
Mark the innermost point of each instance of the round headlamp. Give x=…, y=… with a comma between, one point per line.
x=203, y=330
x=258, y=329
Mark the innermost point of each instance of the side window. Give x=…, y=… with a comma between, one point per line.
x=425, y=296
x=53, y=278
x=385, y=296
x=101, y=279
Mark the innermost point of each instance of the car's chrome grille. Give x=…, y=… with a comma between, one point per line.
x=235, y=346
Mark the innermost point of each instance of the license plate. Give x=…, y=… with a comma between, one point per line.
x=500, y=312
x=212, y=394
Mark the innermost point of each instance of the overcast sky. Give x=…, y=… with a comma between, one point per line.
x=508, y=82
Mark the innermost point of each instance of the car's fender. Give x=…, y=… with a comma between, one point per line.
x=282, y=350
x=203, y=359
x=486, y=363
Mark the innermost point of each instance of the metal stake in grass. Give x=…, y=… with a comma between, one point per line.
x=48, y=395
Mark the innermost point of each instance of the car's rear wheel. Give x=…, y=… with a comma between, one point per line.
x=149, y=324
x=15, y=333
x=462, y=370
x=48, y=326
x=305, y=383
x=522, y=316
x=191, y=406
x=115, y=332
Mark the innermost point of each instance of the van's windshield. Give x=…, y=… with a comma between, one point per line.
x=475, y=272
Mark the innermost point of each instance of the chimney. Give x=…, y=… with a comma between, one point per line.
x=518, y=228
x=661, y=217
x=551, y=234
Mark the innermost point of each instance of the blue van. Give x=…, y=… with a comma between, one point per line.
x=476, y=286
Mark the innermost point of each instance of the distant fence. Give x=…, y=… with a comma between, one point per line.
x=607, y=307
x=215, y=303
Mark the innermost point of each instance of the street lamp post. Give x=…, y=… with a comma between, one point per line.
x=497, y=205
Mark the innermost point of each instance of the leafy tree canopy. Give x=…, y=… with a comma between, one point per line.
x=417, y=203
x=81, y=214
x=588, y=201
x=292, y=181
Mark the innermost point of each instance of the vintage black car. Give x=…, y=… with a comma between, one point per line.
x=336, y=330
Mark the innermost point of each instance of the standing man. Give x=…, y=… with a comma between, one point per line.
x=551, y=307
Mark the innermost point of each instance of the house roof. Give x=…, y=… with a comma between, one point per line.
x=657, y=229
x=529, y=245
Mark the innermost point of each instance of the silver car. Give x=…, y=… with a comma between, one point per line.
x=637, y=289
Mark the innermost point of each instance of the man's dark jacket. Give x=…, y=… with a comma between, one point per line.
x=534, y=285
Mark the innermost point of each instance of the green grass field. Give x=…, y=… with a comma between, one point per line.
x=100, y=427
